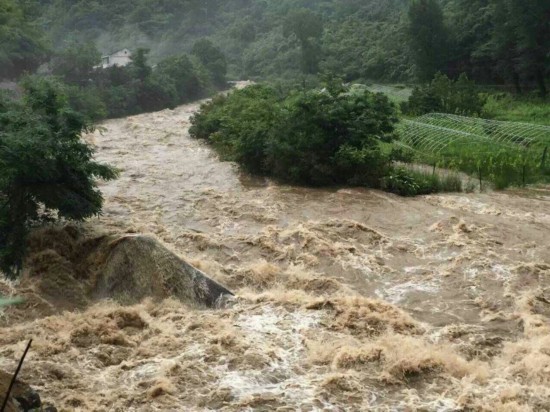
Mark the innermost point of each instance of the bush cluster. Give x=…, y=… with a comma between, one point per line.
x=330, y=136
x=443, y=95
x=406, y=182
x=48, y=172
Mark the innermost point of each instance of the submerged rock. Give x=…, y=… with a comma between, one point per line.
x=70, y=268
x=139, y=266
x=23, y=398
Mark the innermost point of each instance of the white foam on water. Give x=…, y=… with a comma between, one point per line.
x=281, y=332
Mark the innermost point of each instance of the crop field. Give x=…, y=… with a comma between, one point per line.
x=504, y=153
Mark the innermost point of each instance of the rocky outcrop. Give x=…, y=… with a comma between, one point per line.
x=139, y=266
x=70, y=268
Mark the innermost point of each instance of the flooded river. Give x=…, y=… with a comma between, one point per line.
x=347, y=299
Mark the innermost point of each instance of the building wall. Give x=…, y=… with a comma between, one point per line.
x=120, y=58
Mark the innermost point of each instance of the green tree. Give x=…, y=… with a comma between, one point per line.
x=470, y=33
x=139, y=67
x=244, y=30
x=22, y=48
x=522, y=34
x=332, y=136
x=308, y=29
x=46, y=170
x=156, y=92
x=317, y=137
x=239, y=125
x=503, y=45
x=213, y=59
x=493, y=41
x=75, y=63
x=445, y=96
x=182, y=71
x=428, y=38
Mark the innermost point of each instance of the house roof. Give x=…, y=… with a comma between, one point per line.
x=120, y=53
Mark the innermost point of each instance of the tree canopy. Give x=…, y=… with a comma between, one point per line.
x=22, y=48
x=492, y=41
x=47, y=170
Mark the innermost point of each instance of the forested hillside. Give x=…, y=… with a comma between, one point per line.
x=22, y=47
x=493, y=41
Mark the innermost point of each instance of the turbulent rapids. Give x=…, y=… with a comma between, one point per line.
x=345, y=299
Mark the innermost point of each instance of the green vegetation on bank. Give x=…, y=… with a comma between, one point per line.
x=346, y=135
x=331, y=136
x=503, y=153
x=121, y=91
x=497, y=42
x=47, y=171
x=443, y=95
x=505, y=43
x=409, y=182
x=22, y=45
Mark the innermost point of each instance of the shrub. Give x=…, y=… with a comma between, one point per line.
x=47, y=171
x=331, y=137
x=187, y=83
x=318, y=137
x=401, y=182
x=239, y=125
x=156, y=92
x=120, y=101
x=406, y=182
x=443, y=95
x=88, y=101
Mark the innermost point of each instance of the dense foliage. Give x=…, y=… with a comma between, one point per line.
x=500, y=165
x=428, y=38
x=46, y=170
x=331, y=136
x=212, y=59
x=320, y=137
x=21, y=45
x=492, y=41
x=443, y=95
x=136, y=88
x=407, y=182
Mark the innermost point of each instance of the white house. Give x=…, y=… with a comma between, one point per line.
x=120, y=58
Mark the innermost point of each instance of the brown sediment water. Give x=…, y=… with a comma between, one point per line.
x=347, y=299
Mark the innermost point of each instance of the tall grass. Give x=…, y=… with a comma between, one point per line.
x=406, y=181
x=504, y=106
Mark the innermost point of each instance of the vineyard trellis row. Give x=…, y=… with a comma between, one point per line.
x=494, y=148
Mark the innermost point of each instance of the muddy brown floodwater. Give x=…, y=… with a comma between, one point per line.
x=347, y=299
